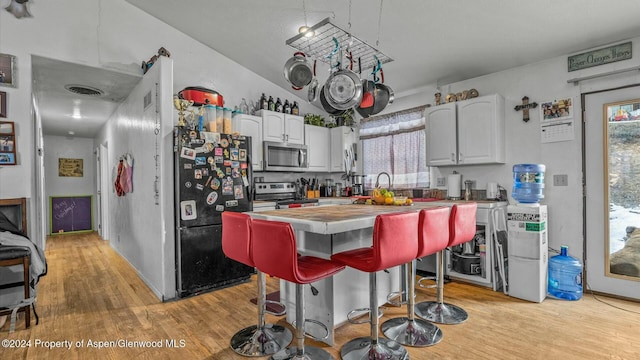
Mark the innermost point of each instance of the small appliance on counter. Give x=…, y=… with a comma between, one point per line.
x=285, y=195
x=454, y=184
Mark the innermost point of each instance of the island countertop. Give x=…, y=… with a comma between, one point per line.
x=335, y=219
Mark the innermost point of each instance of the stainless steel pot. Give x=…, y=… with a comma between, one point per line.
x=297, y=71
x=343, y=89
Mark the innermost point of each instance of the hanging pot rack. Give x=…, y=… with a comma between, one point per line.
x=322, y=44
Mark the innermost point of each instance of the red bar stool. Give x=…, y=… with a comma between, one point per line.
x=275, y=252
x=261, y=339
x=433, y=236
x=462, y=228
x=395, y=242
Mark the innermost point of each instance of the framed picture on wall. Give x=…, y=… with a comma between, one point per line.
x=3, y=104
x=70, y=167
x=7, y=143
x=7, y=70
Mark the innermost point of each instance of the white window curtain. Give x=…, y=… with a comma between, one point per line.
x=395, y=143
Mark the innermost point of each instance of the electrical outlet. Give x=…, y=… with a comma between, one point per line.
x=440, y=181
x=561, y=180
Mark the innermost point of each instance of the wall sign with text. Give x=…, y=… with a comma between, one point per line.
x=599, y=57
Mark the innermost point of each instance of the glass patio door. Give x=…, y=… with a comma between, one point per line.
x=612, y=179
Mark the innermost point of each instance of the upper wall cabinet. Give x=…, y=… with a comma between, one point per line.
x=318, y=142
x=466, y=132
x=250, y=125
x=279, y=127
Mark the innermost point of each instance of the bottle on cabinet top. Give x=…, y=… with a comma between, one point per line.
x=278, y=106
x=286, y=108
x=272, y=105
x=294, y=109
x=264, y=104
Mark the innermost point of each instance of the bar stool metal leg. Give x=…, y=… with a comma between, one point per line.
x=373, y=347
x=439, y=311
x=262, y=339
x=300, y=351
x=410, y=330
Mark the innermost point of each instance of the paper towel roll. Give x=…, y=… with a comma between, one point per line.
x=454, y=184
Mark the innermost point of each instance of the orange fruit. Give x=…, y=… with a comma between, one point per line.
x=409, y=202
x=388, y=201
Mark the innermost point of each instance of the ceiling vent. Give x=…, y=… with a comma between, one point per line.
x=84, y=90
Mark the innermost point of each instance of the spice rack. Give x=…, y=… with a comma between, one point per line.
x=320, y=46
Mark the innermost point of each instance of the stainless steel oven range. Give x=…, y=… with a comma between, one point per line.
x=283, y=193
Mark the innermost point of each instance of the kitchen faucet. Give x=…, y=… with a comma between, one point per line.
x=388, y=177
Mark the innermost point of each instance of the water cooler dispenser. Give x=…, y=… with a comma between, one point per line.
x=528, y=249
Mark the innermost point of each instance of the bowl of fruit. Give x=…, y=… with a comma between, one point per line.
x=382, y=196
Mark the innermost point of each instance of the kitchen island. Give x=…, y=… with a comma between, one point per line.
x=321, y=232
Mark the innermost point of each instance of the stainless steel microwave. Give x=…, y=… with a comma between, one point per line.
x=285, y=157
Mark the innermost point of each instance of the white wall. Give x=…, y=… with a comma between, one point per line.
x=543, y=81
x=72, y=148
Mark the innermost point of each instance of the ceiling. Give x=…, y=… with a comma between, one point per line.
x=431, y=43
x=63, y=111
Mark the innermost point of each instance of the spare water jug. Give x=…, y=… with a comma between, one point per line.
x=528, y=183
x=565, y=276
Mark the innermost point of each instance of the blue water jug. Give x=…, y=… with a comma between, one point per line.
x=565, y=276
x=528, y=183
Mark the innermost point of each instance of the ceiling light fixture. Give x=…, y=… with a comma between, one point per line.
x=71, y=133
x=18, y=8
x=306, y=31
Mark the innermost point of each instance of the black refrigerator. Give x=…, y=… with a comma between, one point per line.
x=212, y=175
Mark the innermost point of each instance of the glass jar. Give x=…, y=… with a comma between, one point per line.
x=226, y=121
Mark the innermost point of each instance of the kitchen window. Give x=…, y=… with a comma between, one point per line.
x=395, y=143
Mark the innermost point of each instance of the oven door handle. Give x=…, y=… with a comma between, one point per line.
x=300, y=157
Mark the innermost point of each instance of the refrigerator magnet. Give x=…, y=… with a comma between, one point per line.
x=217, y=152
x=205, y=172
x=201, y=160
x=212, y=198
x=243, y=155
x=243, y=165
x=219, y=207
x=208, y=181
x=210, y=137
x=187, y=153
x=235, y=164
x=215, y=184
x=187, y=184
x=210, y=160
x=188, y=210
x=200, y=187
x=228, y=171
x=231, y=203
x=188, y=166
x=226, y=153
x=197, y=173
x=245, y=181
x=218, y=159
x=234, y=154
x=224, y=142
x=227, y=186
x=235, y=173
x=237, y=192
x=226, y=163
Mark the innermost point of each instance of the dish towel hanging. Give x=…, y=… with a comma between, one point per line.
x=118, y=182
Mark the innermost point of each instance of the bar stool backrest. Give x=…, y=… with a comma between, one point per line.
x=395, y=240
x=236, y=237
x=275, y=251
x=433, y=230
x=462, y=223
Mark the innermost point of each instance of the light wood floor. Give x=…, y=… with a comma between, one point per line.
x=91, y=293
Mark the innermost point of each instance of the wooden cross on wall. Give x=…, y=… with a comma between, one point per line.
x=525, y=108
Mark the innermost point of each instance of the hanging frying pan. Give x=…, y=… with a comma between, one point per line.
x=312, y=95
x=297, y=71
x=343, y=89
x=325, y=104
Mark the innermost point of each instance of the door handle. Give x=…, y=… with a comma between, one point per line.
x=461, y=158
x=453, y=158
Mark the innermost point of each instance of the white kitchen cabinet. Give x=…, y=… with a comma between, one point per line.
x=279, y=127
x=317, y=139
x=342, y=138
x=466, y=132
x=249, y=125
